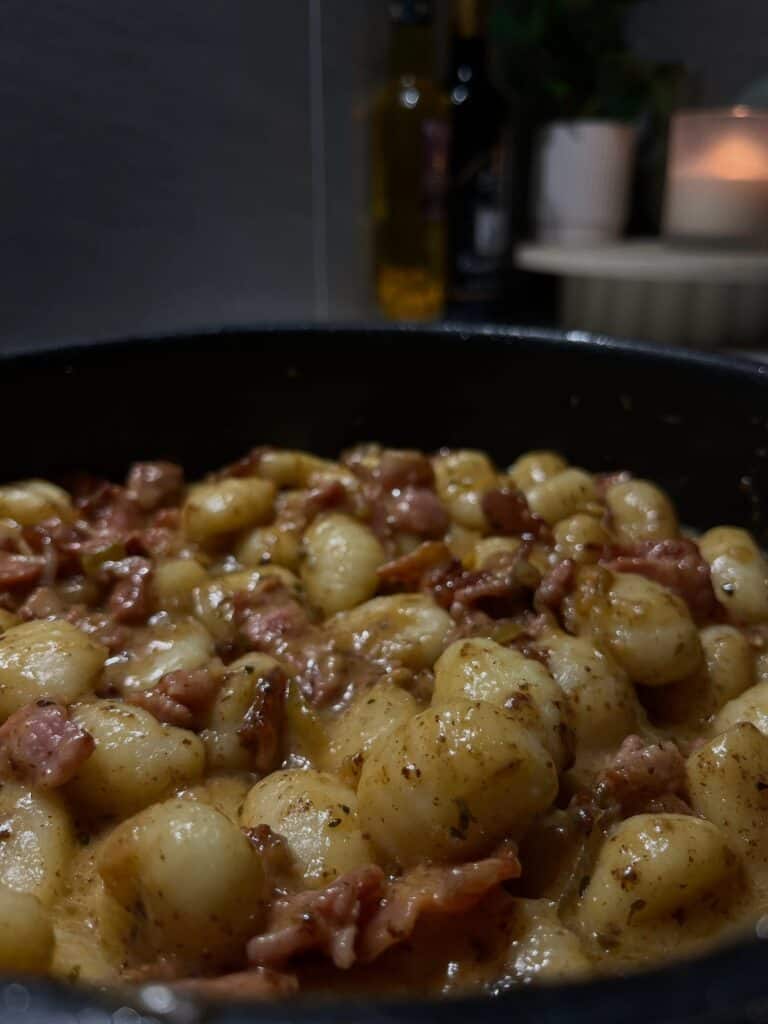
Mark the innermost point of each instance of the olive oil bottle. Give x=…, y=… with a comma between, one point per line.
x=409, y=162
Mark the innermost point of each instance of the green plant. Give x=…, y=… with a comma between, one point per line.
x=569, y=58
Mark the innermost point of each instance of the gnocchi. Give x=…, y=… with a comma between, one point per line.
x=388, y=711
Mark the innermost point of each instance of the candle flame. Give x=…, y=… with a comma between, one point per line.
x=734, y=158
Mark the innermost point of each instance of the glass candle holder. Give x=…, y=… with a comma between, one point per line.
x=717, y=177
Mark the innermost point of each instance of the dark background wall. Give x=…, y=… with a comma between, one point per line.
x=187, y=163
x=724, y=43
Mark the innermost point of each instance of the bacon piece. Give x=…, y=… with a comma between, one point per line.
x=400, y=468
x=642, y=774
x=45, y=603
x=413, y=510
x=154, y=542
x=361, y=915
x=326, y=920
x=42, y=603
x=59, y=543
x=327, y=495
x=260, y=731
x=40, y=745
x=130, y=600
x=271, y=620
x=248, y=465
x=109, y=509
x=399, y=489
x=274, y=852
x=498, y=589
x=154, y=484
x=268, y=616
x=507, y=512
x=431, y=890
x=676, y=564
x=19, y=570
x=180, y=698
x=100, y=626
x=555, y=586
x=167, y=519
x=409, y=570
x=258, y=983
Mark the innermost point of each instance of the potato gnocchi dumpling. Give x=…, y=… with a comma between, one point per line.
x=452, y=781
x=408, y=630
x=482, y=669
x=640, y=511
x=339, y=561
x=26, y=933
x=153, y=866
x=317, y=816
x=393, y=722
x=653, y=870
x=46, y=660
x=136, y=759
x=368, y=719
x=38, y=841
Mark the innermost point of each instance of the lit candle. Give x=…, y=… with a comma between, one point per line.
x=717, y=180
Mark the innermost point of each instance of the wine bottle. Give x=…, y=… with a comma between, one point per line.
x=478, y=220
x=409, y=162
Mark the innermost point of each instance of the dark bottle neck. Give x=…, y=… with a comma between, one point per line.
x=470, y=53
x=411, y=51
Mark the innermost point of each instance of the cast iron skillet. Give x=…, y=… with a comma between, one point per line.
x=698, y=424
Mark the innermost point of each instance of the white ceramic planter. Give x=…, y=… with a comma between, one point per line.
x=582, y=175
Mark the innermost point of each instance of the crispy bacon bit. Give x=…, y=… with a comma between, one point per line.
x=555, y=586
x=498, y=589
x=154, y=542
x=167, y=519
x=676, y=564
x=276, y=857
x=154, y=484
x=402, y=468
x=271, y=620
x=258, y=983
x=431, y=890
x=19, y=570
x=180, y=698
x=507, y=512
x=100, y=626
x=399, y=489
x=248, y=465
x=361, y=915
x=45, y=603
x=59, y=543
x=327, y=495
x=130, y=600
x=408, y=570
x=109, y=509
x=40, y=745
x=413, y=510
x=643, y=774
x=260, y=731
x=42, y=603
x=268, y=616
x=326, y=920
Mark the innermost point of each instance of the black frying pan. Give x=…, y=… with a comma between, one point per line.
x=697, y=424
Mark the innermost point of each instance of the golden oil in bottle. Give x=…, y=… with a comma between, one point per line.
x=409, y=157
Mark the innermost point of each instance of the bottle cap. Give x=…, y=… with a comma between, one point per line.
x=411, y=12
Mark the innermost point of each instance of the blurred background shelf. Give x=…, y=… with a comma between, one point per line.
x=671, y=294
x=183, y=164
